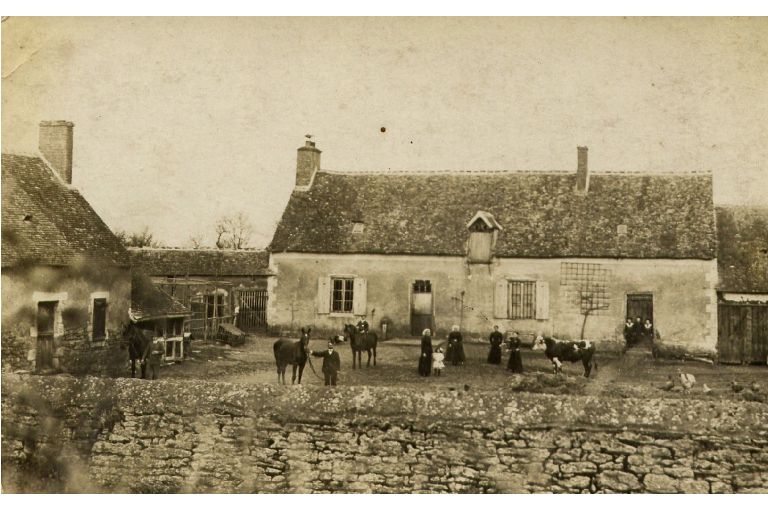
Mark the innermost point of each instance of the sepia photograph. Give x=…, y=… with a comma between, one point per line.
x=388, y=255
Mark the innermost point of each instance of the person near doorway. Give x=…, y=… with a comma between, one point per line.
x=496, y=339
x=456, y=347
x=331, y=364
x=425, y=356
x=515, y=363
x=629, y=333
x=637, y=330
x=156, y=351
x=648, y=332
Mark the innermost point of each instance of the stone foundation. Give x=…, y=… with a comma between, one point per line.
x=103, y=435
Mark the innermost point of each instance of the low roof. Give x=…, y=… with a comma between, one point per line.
x=666, y=215
x=742, y=256
x=47, y=222
x=149, y=302
x=201, y=262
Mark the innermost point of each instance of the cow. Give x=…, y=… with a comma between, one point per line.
x=560, y=350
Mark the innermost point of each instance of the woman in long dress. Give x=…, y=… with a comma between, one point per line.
x=456, y=346
x=515, y=364
x=425, y=356
x=496, y=339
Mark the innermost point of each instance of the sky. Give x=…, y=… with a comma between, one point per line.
x=180, y=121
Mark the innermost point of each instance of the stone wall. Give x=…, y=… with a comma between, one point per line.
x=89, y=434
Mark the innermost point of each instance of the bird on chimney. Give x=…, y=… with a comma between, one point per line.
x=308, y=136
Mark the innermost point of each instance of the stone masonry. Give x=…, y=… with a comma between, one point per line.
x=100, y=435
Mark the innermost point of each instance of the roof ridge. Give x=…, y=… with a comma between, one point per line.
x=514, y=171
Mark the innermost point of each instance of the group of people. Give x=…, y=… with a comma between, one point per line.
x=433, y=360
x=638, y=332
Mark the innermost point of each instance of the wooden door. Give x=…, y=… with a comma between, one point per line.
x=759, y=352
x=46, y=312
x=732, y=321
x=640, y=305
x=422, y=310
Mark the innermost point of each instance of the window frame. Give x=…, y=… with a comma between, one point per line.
x=526, y=295
x=348, y=295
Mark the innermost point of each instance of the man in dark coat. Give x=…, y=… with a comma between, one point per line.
x=496, y=339
x=156, y=351
x=331, y=364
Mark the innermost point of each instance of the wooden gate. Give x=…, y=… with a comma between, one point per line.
x=253, y=310
x=742, y=333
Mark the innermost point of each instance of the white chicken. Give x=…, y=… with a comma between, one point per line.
x=687, y=380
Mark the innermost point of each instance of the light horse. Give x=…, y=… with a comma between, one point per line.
x=294, y=353
x=360, y=342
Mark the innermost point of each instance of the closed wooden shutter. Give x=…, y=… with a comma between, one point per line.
x=500, y=309
x=324, y=295
x=360, y=297
x=542, y=300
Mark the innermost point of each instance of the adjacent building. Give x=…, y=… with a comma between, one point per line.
x=565, y=253
x=218, y=285
x=742, y=289
x=66, y=279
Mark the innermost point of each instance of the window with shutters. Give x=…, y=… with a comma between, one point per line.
x=342, y=294
x=522, y=299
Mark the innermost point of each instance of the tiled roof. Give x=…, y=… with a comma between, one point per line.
x=49, y=223
x=201, y=262
x=148, y=301
x=742, y=256
x=666, y=215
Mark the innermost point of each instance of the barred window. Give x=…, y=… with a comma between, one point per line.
x=342, y=295
x=522, y=299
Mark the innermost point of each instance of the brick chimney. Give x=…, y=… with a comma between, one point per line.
x=56, y=146
x=307, y=163
x=582, y=171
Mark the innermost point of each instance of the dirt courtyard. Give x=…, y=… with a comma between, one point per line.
x=631, y=375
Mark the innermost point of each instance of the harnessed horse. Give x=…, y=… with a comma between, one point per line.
x=139, y=341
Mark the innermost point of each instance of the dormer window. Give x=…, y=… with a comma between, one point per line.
x=483, y=231
x=357, y=228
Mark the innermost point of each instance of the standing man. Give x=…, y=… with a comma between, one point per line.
x=331, y=364
x=156, y=351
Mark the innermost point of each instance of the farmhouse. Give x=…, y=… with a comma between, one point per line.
x=214, y=283
x=66, y=280
x=743, y=284
x=553, y=252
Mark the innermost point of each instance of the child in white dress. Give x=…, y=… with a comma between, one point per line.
x=438, y=363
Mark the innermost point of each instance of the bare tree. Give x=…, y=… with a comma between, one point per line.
x=233, y=231
x=196, y=241
x=142, y=238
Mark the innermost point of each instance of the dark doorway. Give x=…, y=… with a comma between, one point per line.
x=99, y=319
x=640, y=305
x=422, y=312
x=46, y=312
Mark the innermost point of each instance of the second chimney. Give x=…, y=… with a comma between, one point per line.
x=307, y=163
x=582, y=171
x=56, y=146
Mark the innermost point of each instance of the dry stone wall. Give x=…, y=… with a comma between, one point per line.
x=90, y=434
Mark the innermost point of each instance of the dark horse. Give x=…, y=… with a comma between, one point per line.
x=138, y=341
x=291, y=352
x=360, y=342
